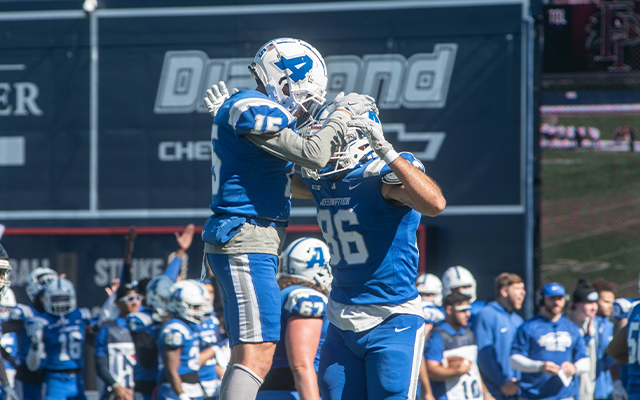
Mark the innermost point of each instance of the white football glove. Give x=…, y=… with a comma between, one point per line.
x=619, y=392
x=216, y=96
x=9, y=394
x=373, y=131
x=355, y=104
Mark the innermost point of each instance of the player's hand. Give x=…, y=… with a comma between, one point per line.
x=185, y=238
x=373, y=131
x=510, y=388
x=355, y=104
x=550, y=368
x=216, y=96
x=464, y=367
x=619, y=391
x=568, y=368
x=9, y=393
x=123, y=393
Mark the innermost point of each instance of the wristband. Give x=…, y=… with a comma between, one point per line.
x=114, y=386
x=488, y=394
x=390, y=156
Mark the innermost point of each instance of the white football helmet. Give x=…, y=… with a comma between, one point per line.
x=208, y=301
x=5, y=270
x=298, y=64
x=59, y=297
x=188, y=300
x=38, y=280
x=158, y=293
x=430, y=284
x=7, y=302
x=457, y=276
x=308, y=259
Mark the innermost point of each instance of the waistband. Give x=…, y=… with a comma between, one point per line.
x=265, y=222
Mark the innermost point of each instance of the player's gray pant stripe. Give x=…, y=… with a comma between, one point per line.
x=248, y=311
x=418, y=348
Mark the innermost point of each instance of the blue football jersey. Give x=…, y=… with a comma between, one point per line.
x=621, y=308
x=22, y=312
x=633, y=340
x=299, y=301
x=432, y=314
x=543, y=340
x=178, y=333
x=208, y=338
x=63, y=339
x=246, y=180
x=374, y=257
x=143, y=322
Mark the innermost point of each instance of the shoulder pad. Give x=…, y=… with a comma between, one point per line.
x=620, y=308
x=390, y=177
x=214, y=320
x=175, y=334
x=432, y=315
x=306, y=302
x=138, y=321
x=257, y=115
x=20, y=312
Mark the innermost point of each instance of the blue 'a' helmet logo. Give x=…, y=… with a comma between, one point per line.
x=318, y=258
x=299, y=66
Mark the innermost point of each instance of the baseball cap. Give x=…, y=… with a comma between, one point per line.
x=553, y=289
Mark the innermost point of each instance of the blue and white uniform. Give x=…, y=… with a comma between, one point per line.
x=251, y=191
x=544, y=340
x=28, y=384
x=208, y=338
x=494, y=329
x=620, y=311
x=177, y=333
x=432, y=313
x=145, y=371
x=63, y=339
x=374, y=308
x=633, y=330
x=115, y=354
x=8, y=342
x=445, y=342
x=297, y=301
x=604, y=383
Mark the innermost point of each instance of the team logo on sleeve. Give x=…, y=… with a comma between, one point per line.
x=555, y=341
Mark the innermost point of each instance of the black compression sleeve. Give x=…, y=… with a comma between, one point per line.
x=12, y=325
x=102, y=368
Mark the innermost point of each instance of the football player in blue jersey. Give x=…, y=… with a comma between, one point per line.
x=604, y=333
x=370, y=200
x=459, y=279
x=8, y=342
x=115, y=354
x=495, y=328
x=549, y=351
x=210, y=372
x=305, y=279
x=255, y=143
x=28, y=383
x=430, y=290
x=179, y=345
x=57, y=337
x=620, y=373
x=451, y=354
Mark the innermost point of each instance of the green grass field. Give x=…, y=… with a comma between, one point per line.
x=591, y=217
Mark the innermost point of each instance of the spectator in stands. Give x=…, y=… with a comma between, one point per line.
x=494, y=329
x=583, y=313
x=451, y=354
x=604, y=333
x=114, y=350
x=549, y=350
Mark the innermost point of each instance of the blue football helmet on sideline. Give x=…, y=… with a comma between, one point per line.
x=308, y=259
x=38, y=280
x=189, y=301
x=60, y=297
x=294, y=62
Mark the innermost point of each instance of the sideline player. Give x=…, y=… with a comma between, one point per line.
x=459, y=279
x=549, y=350
x=305, y=279
x=453, y=338
x=255, y=141
x=369, y=201
x=57, y=338
x=430, y=290
x=8, y=342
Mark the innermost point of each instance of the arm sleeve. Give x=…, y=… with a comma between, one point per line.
x=125, y=277
x=311, y=152
x=524, y=364
x=102, y=369
x=146, y=348
x=34, y=357
x=173, y=269
x=520, y=343
x=487, y=358
x=13, y=325
x=582, y=365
